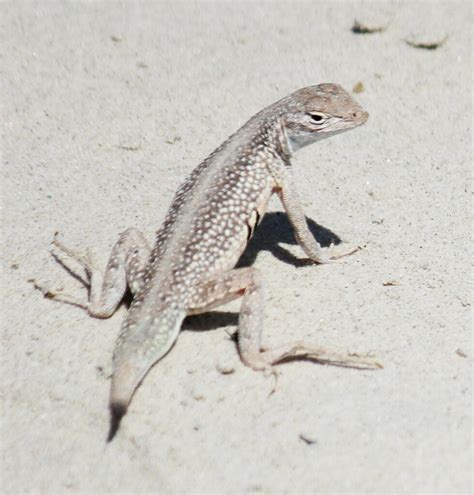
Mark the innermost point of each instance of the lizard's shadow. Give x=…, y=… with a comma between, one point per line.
x=274, y=229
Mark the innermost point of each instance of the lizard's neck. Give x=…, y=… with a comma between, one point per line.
x=281, y=141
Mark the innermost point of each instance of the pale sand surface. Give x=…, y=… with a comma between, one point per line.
x=106, y=108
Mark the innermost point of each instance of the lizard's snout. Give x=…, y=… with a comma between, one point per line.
x=360, y=116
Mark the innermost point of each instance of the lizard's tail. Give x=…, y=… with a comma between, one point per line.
x=142, y=342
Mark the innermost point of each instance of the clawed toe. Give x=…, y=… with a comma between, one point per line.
x=86, y=261
x=332, y=256
x=58, y=296
x=347, y=252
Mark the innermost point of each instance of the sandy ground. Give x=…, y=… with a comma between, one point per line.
x=106, y=108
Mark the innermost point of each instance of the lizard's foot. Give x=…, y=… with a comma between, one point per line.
x=264, y=361
x=334, y=254
x=58, y=249
x=58, y=296
x=300, y=350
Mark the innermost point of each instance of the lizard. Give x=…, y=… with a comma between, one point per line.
x=191, y=268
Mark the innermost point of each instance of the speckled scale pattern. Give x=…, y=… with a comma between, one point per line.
x=217, y=230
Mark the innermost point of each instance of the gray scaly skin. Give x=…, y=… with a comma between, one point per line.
x=191, y=270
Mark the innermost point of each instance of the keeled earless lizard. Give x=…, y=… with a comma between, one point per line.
x=191, y=270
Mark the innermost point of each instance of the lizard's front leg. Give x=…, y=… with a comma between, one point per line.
x=291, y=202
x=246, y=282
x=106, y=290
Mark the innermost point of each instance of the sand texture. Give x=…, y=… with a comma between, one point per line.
x=106, y=108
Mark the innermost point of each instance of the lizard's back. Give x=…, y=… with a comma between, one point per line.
x=211, y=217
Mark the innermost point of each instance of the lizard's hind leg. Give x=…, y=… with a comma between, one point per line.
x=245, y=282
x=106, y=290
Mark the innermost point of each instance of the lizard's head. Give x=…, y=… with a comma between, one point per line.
x=318, y=112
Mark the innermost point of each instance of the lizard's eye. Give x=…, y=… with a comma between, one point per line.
x=317, y=118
